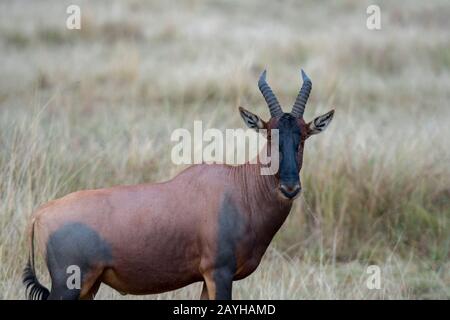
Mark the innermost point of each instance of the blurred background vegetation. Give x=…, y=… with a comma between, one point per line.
x=95, y=107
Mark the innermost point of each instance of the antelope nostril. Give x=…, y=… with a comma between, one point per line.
x=290, y=188
x=290, y=191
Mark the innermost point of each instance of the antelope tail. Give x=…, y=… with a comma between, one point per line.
x=34, y=290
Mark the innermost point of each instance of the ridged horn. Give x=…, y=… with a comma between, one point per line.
x=269, y=96
x=299, y=106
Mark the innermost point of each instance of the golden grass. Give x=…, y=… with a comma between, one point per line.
x=96, y=108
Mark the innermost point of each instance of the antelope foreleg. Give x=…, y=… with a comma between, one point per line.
x=219, y=283
x=204, y=294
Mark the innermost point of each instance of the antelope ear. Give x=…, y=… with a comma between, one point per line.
x=320, y=123
x=252, y=120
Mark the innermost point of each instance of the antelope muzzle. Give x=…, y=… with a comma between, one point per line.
x=291, y=189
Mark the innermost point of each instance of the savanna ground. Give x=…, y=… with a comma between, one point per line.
x=96, y=107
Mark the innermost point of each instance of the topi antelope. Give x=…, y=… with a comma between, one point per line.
x=211, y=223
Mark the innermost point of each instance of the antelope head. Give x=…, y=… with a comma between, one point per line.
x=292, y=130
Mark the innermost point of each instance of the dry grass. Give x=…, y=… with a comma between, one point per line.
x=95, y=108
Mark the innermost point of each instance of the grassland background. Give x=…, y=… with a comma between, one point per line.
x=96, y=107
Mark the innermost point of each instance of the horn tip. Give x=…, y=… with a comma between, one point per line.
x=304, y=75
x=263, y=74
x=262, y=78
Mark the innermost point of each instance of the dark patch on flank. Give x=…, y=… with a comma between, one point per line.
x=230, y=230
x=74, y=244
